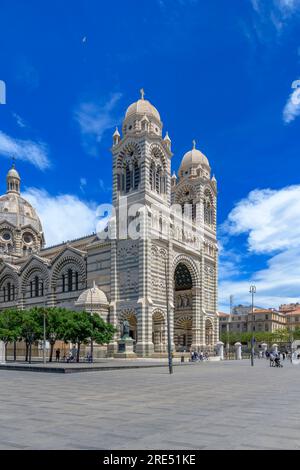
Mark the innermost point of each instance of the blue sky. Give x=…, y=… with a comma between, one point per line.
x=220, y=72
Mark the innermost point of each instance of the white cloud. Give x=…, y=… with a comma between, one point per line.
x=27, y=150
x=83, y=183
x=269, y=218
x=292, y=107
x=94, y=121
x=64, y=217
x=276, y=12
x=20, y=121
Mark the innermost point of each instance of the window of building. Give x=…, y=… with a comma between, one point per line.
x=70, y=280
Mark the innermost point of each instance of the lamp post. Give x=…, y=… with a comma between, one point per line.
x=44, y=345
x=44, y=324
x=92, y=311
x=170, y=359
x=252, y=292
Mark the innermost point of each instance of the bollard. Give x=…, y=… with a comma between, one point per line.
x=238, y=351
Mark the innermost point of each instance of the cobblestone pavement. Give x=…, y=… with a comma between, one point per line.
x=227, y=405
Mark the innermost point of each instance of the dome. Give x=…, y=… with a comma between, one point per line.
x=142, y=107
x=17, y=211
x=13, y=174
x=92, y=296
x=193, y=159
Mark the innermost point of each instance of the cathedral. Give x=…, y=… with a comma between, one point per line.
x=158, y=255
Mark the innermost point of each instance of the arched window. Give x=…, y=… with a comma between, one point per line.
x=63, y=283
x=128, y=178
x=36, y=286
x=76, y=281
x=70, y=280
x=8, y=291
x=152, y=176
x=4, y=294
x=136, y=175
x=31, y=289
x=157, y=179
x=208, y=213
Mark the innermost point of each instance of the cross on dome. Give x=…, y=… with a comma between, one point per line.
x=142, y=91
x=194, y=144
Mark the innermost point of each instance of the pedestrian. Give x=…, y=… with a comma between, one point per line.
x=57, y=354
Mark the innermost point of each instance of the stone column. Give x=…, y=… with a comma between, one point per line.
x=2, y=352
x=144, y=346
x=196, y=315
x=112, y=347
x=238, y=351
x=220, y=350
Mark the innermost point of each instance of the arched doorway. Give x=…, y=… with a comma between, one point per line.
x=209, y=333
x=159, y=332
x=130, y=316
x=183, y=308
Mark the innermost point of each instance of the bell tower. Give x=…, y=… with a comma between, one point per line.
x=141, y=187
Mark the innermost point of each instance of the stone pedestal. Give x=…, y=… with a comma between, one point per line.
x=2, y=352
x=220, y=350
x=238, y=351
x=125, y=349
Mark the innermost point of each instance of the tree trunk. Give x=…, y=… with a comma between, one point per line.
x=26, y=353
x=29, y=353
x=15, y=351
x=51, y=350
x=5, y=344
x=78, y=352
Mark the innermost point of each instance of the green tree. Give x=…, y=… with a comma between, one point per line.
x=102, y=332
x=54, y=319
x=31, y=329
x=83, y=327
x=10, y=327
x=77, y=329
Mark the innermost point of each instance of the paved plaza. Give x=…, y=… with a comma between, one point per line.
x=225, y=405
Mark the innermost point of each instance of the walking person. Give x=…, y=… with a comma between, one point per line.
x=57, y=354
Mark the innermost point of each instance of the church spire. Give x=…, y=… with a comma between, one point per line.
x=13, y=180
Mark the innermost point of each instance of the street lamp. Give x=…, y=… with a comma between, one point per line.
x=93, y=289
x=252, y=292
x=44, y=324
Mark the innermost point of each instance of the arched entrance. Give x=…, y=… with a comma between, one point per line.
x=159, y=332
x=183, y=308
x=209, y=333
x=130, y=316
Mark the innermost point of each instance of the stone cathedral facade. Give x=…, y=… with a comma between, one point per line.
x=158, y=255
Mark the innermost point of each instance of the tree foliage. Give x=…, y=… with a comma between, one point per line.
x=60, y=324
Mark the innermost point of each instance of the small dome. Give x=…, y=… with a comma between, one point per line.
x=13, y=174
x=90, y=297
x=193, y=159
